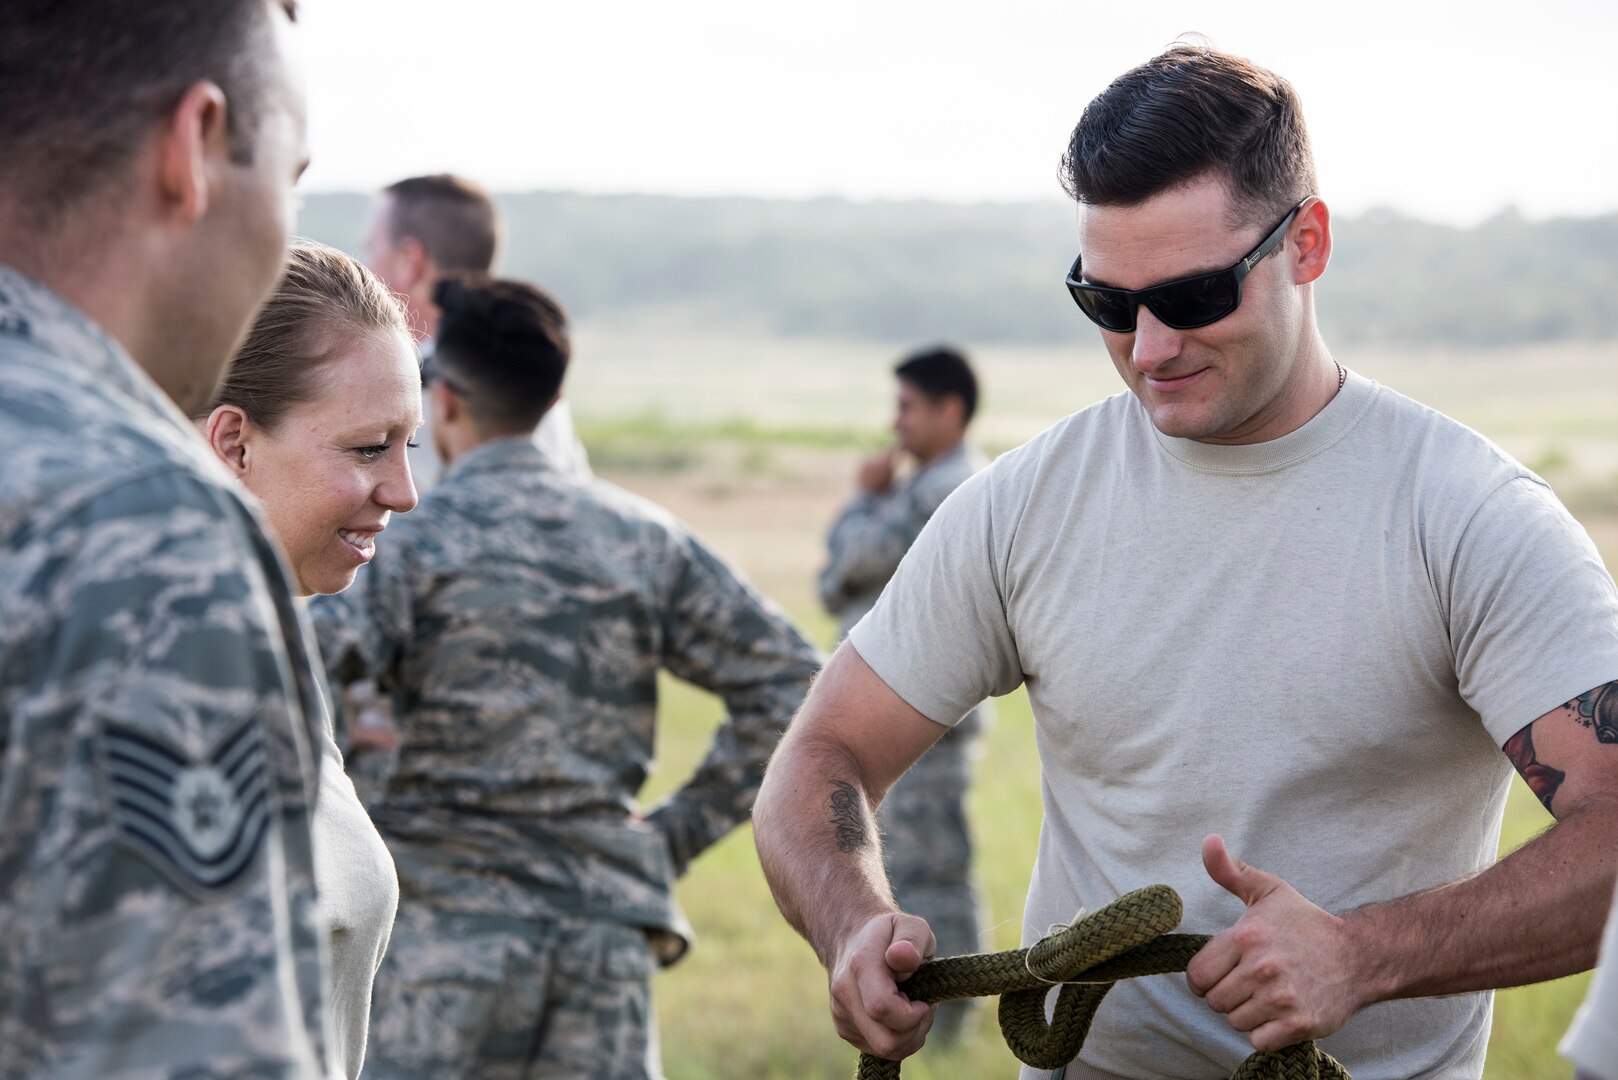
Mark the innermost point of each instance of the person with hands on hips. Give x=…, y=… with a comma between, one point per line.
x=520, y=618
x=1256, y=596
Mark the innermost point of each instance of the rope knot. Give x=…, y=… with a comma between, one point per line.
x=1126, y=939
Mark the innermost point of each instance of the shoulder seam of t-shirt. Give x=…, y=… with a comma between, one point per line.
x=1546, y=491
x=1003, y=466
x=1349, y=425
x=1460, y=542
x=1472, y=516
x=1000, y=560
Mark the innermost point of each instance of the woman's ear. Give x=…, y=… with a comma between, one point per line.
x=227, y=434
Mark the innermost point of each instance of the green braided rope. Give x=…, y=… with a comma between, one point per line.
x=1126, y=939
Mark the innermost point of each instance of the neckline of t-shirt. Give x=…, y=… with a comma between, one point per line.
x=1323, y=430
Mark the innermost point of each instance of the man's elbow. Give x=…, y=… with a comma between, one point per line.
x=804, y=749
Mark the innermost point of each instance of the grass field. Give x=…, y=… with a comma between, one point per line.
x=754, y=441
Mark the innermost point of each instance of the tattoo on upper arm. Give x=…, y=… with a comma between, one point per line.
x=1598, y=709
x=1542, y=779
x=848, y=817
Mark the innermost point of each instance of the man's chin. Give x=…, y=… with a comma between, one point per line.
x=1181, y=420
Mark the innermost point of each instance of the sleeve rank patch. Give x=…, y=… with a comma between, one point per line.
x=200, y=822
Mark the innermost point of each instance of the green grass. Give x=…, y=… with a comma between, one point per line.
x=652, y=442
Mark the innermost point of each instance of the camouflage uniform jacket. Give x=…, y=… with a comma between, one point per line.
x=873, y=532
x=158, y=706
x=519, y=617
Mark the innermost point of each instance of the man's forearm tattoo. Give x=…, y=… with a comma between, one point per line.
x=1542, y=779
x=1598, y=709
x=848, y=817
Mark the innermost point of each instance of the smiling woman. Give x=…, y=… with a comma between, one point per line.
x=313, y=419
x=317, y=411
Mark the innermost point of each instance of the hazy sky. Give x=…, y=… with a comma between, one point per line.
x=1450, y=111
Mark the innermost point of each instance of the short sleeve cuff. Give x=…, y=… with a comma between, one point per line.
x=868, y=640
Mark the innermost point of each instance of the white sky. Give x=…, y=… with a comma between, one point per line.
x=1450, y=111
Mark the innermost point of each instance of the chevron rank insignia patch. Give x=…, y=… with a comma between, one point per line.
x=200, y=822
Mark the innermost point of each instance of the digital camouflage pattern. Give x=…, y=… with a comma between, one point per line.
x=157, y=711
x=926, y=842
x=368, y=763
x=458, y=997
x=517, y=619
x=872, y=533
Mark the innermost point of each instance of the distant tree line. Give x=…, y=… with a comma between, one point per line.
x=992, y=272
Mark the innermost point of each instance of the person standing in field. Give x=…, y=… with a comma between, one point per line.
x=422, y=228
x=522, y=615
x=313, y=418
x=159, y=708
x=927, y=851
x=1257, y=596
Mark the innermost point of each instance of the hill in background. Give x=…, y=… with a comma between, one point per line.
x=992, y=273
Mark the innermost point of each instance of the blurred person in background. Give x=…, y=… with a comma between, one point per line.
x=313, y=418
x=421, y=228
x=927, y=850
x=160, y=714
x=521, y=615
x=1256, y=594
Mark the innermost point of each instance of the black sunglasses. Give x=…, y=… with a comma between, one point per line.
x=1182, y=304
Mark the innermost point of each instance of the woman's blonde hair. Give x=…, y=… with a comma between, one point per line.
x=324, y=298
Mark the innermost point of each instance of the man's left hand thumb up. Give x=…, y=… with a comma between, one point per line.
x=1284, y=973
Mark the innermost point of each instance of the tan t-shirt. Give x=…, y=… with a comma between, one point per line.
x=1314, y=646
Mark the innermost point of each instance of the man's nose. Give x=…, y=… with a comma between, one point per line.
x=1155, y=344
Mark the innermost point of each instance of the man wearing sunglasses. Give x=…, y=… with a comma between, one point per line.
x=1261, y=606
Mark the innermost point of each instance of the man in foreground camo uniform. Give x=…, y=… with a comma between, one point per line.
x=519, y=618
x=157, y=700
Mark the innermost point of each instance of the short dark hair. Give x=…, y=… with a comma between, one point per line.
x=940, y=372
x=323, y=301
x=84, y=82
x=1188, y=113
x=453, y=218
x=503, y=345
